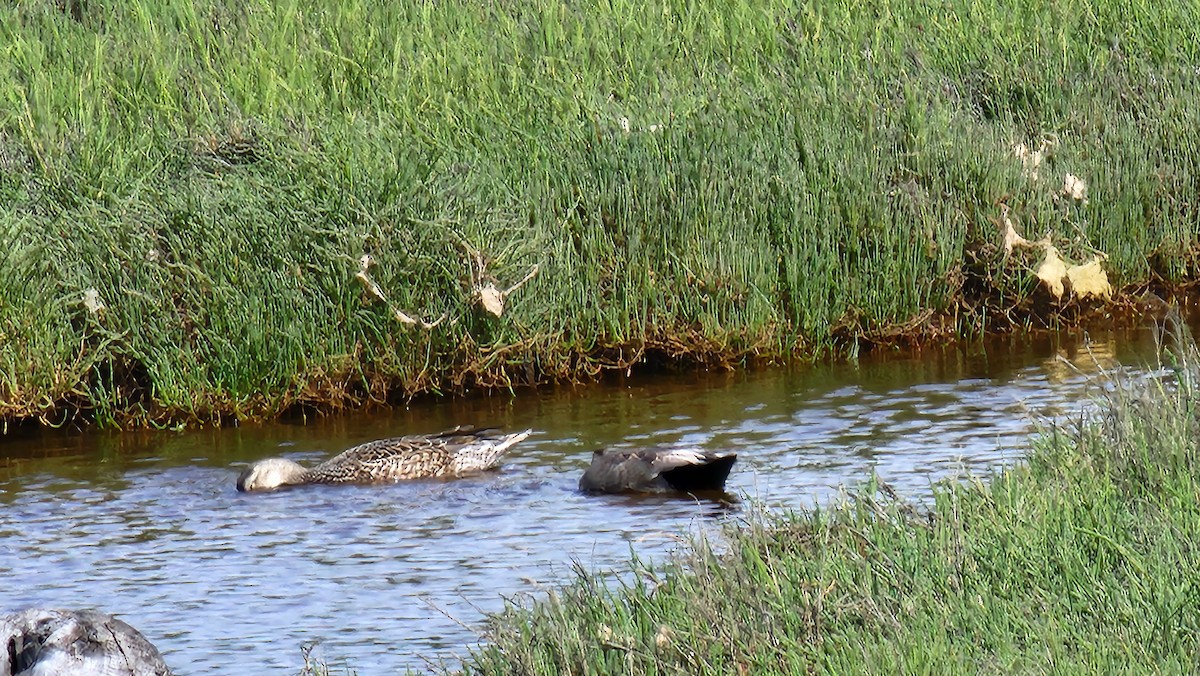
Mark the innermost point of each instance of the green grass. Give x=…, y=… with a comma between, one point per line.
x=794, y=174
x=1081, y=560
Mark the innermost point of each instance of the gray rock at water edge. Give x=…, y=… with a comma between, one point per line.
x=50, y=642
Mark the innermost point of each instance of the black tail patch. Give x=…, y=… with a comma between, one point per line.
x=710, y=476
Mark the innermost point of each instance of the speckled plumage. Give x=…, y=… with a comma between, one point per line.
x=617, y=470
x=455, y=452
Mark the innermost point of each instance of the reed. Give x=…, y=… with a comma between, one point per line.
x=1081, y=559
x=712, y=182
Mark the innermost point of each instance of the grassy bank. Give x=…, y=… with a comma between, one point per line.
x=188, y=187
x=1084, y=560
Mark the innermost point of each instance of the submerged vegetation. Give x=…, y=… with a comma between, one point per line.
x=1081, y=559
x=230, y=208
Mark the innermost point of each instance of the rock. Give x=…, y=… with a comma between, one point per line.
x=51, y=642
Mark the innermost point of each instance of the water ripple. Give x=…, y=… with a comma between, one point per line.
x=151, y=528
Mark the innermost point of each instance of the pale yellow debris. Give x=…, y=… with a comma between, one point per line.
x=1075, y=188
x=1031, y=160
x=374, y=289
x=663, y=638
x=1052, y=271
x=492, y=299
x=371, y=285
x=1090, y=279
x=403, y=318
x=1011, y=238
x=364, y=264
x=93, y=302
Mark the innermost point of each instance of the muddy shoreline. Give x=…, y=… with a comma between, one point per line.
x=332, y=395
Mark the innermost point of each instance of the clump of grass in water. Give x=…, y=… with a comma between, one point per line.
x=314, y=666
x=1081, y=558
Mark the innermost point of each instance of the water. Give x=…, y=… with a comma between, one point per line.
x=383, y=578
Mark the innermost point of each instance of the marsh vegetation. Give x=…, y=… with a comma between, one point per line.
x=218, y=210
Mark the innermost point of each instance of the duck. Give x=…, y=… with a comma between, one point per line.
x=616, y=470
x=454, y=452
x=56, y=642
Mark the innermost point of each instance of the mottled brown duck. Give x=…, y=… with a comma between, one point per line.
x=616, y=470
x=456, y=452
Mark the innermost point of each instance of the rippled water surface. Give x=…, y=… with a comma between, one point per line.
x=149, y=526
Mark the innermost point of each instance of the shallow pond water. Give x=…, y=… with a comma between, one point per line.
x=383, y=578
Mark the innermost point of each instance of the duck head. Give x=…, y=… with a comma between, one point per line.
x=271, y=473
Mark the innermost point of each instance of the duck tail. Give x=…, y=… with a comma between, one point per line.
x=487, y=454
x=510, y=440
x=707, y=476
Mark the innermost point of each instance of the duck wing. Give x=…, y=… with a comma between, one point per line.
x=450, y=453
x=457, y=437
x=615, y=470
x=667, y=459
